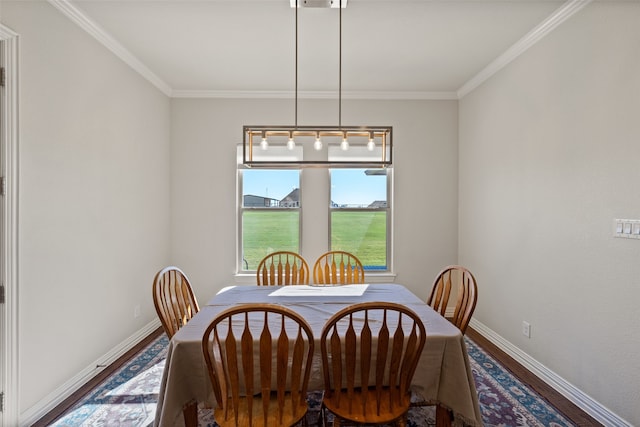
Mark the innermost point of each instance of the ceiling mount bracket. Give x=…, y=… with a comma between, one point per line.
x=319, y=3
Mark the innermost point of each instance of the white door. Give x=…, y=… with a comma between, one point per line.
x=3, y=321
x=8, y=227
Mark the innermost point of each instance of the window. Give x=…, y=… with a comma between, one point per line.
x=347, y=209
x=359, y=215
x=270, y=214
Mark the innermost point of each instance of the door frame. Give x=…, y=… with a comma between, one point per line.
x=9, y=250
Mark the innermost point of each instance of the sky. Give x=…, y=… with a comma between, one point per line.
x=349, y=186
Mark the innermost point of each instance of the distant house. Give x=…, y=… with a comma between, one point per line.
x=251, y=201
x=291, y=200
x=378, y=204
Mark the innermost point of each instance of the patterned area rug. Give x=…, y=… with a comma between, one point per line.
x=128, y=398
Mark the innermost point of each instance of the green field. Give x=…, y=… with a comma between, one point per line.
x=361, y=233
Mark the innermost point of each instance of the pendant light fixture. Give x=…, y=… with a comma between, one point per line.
x=317, y=146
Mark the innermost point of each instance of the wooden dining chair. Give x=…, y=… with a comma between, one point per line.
x=174, y=299
x=338, y=267
x=282, y=268
x=369, y=355
x=460, y=278
x=467, y=291
x=258, y=359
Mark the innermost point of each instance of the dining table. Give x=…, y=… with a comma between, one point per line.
x=443, y=376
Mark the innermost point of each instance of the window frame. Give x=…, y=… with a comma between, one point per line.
x=389, y=219
x=241, y=209
x=388, y=273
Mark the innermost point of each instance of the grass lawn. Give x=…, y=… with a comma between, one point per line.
x=361, y=233
x=266, y=232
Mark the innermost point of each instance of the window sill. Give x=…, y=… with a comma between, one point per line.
x=381, y=277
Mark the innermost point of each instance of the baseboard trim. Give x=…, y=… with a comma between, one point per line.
x=568, y=390
x=562, y=386
x=57, y=396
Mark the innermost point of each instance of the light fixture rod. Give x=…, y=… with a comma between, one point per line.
x=361, y=146
x=296, y=86
x=340, y=70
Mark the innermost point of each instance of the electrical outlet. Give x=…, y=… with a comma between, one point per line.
x=526, y=329
x=136, y=311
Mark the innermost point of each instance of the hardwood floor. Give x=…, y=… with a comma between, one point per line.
x=571, y=411
x=568, y=409
x=59, y=410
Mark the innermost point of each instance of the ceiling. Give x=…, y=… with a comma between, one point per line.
x=390, y=48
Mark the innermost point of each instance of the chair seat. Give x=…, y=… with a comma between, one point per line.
x=287, y=417
x=369, y=355
x=259, y=359
x=349, y=407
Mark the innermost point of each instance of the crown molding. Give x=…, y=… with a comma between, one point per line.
x=87, y=24
x=84, y=22
x=379, y=95
x=7, y=33
x=563, y=13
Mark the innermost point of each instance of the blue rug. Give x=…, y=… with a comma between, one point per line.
x=128, y=398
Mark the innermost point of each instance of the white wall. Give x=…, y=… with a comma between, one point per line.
x=93, y=201
x=549, y=151
x=205, y=133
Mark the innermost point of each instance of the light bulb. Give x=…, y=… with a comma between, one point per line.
x=371, y=145
x=318, y=144
x=291, y=144
x=264, y=144
x=344, y=144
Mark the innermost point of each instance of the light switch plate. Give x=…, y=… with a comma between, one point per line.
x=626, y=228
